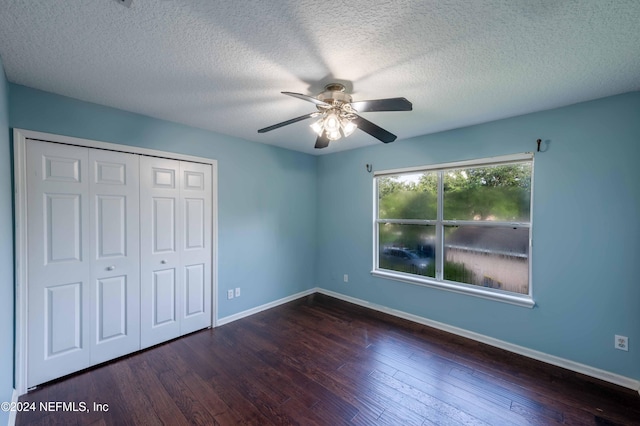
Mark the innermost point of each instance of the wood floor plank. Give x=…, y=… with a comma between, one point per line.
x=252, y=384
x=439, y=378
x=134, y=395
x=188, y=402
x=485, y=409
x=397, y=415
x=322, y=361
x=163, y=405
x=242, y=364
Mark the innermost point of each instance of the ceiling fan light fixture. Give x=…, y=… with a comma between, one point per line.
x=333, y=136
x=334, y=125
x=348, y=126
x=318, y=126
x=332, y=122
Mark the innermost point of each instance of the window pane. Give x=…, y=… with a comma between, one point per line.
x=488, y=193
x=408, y=196
x=488, y=256
x=407, y=248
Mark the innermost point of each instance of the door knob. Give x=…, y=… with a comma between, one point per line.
x=111, y=268
x=163, y=261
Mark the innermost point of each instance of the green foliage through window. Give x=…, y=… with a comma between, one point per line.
x=411, y=196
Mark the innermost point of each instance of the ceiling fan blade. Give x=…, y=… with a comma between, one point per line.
x=306, y=98
x=390, y=104
x=284, y=123
x=374, y=130
x=322, y=141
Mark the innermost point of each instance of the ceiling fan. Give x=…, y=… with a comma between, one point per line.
x=339, y=115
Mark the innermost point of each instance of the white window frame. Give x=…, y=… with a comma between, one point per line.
x=524, y=300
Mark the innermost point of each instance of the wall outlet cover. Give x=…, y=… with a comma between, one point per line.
x=622, y=343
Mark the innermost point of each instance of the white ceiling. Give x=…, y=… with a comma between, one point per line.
x=221, y=65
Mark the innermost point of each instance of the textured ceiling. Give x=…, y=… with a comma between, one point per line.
x=221, y=65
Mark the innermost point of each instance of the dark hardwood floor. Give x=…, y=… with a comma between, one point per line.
x=322, y=361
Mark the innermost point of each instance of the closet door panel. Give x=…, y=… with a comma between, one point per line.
x=115, y=254
x=63, y=316
x=194, y=301
x=195, y=201
x=111, y=303
x=63, y=228
x=111, y=219
x=161, y=239
x=163, y=224
x=164, y=297
x=59, y=264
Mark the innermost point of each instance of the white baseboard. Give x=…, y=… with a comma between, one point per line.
x=252, y=311
x=12, y=413
x=587, y=370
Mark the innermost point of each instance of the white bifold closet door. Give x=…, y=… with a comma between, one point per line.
x=175, y=232
x=83, y=258
x=118, y=254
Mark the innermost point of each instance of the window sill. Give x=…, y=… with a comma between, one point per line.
x=519, y=300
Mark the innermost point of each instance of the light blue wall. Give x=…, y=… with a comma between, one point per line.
x=586, y=235
x=272, y=243
x=266, y=195
x=6, y=252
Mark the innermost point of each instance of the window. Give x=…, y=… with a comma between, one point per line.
x=461, y=226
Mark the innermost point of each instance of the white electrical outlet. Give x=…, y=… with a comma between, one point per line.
x=237, y=291
x=622, y=343
x=230, y=294
x=346, y=278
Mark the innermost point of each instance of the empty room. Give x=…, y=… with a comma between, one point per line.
x=319, y=213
